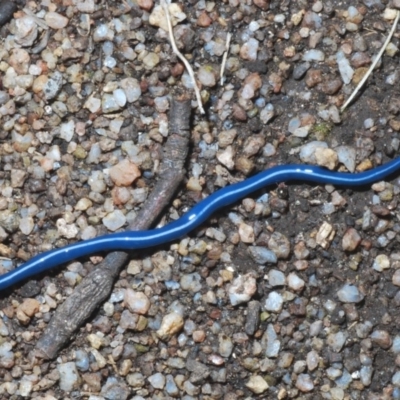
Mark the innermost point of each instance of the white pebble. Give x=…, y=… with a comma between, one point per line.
x=69, y=376
x=249, y=50
x=272, y=345
x=242, y=289
x=56, y=20
x=68, y=231
x=276, y=278
x=120, y=97
x=349, y=294
x=114, y=220
x=103, y=32
x=26, y=225
x=294, y=282
x=347, y=156
x=132, y=89
x=157, y=380
x=346, y=72
x=313, y=55
x=206, y=75
x=67, y=130
x=307, y=152
x=381, y=263
x=109, y=103
x=274, y=302
x=337, y=340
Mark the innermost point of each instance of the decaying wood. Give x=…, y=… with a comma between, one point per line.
x=96, y=287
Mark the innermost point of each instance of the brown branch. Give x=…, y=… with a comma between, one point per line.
x=95, y=288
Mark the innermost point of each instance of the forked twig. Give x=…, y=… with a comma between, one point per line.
x=373, y=65
x=97, y=285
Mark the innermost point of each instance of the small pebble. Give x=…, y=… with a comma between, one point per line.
x=257, y=384
x=114, y=220
x=157, y=380
x=69, y=376
x=171, y=323
x=381, y=338
x=249, y=50
x=242, y=289
x=261, y=255
x=124, y=173
x=313, y=55
x=349, y=294
x=294, y=282
x=304, y=383
x=137, y=302
x=276, y=278
x=381, y=263
x=274, y=302
x=55, y=20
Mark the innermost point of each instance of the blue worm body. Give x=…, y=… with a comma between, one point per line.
x=131, y=240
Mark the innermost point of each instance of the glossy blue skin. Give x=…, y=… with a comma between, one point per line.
x=132, y=240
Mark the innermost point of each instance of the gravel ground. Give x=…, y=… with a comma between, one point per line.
x=290, y=294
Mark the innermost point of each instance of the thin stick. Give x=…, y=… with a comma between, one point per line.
x=373, y=65
x=225, y=56
x=183, y=59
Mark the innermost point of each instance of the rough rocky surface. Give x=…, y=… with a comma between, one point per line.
x=294, y=292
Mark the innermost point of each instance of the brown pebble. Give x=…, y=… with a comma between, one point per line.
x=313, y=77
x=244, y=165
x=380, y=210
x=359, y=74
x=278, y=204
x=8, y=311
x=331, y=86
x=144, y=85
x=360, y=59
x=199, y=336
x=276, y=82
x=298, y=309
x=238, y=113
x=93, y=380
x=145, y=4
x=124, y=173
x=366, y=244
x=204, y=20
x=215, y=313
x=263, y=4
x=301, y=265
x=351, y=240
x=6, y=251
x=177, y=70
x=253, y=145
x=30, y=307
x=364, y=165
x=395, y=124
x=22, y=317
x=381, y=338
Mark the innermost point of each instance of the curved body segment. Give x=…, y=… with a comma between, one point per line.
x=131, y=240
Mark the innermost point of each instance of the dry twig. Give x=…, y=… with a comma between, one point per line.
x=373, y=65
x=224, y=57
x=97, y=285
